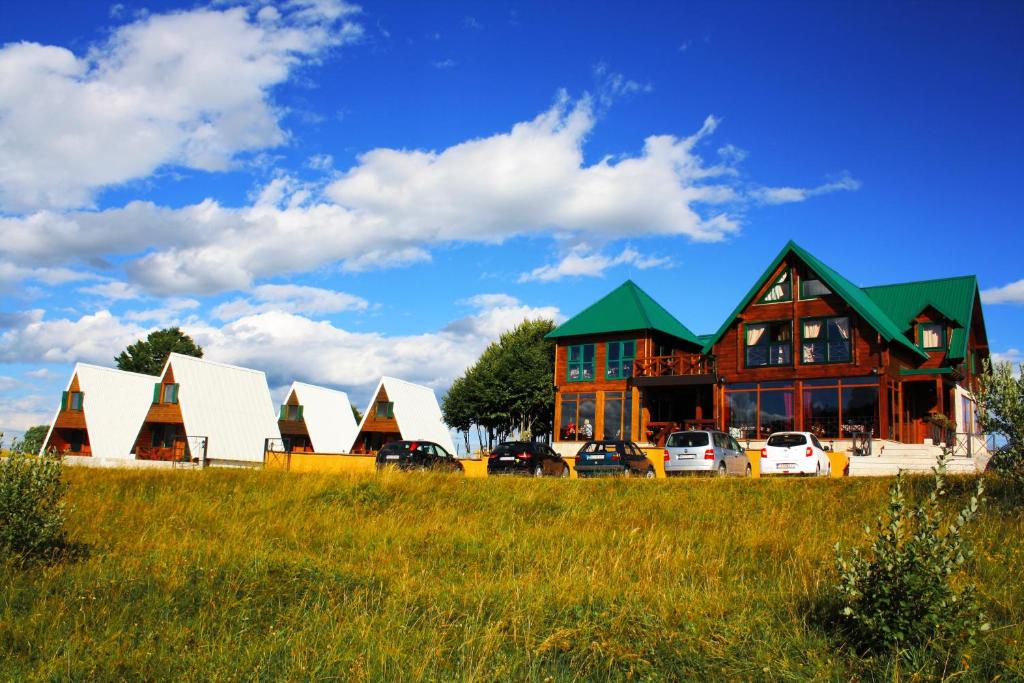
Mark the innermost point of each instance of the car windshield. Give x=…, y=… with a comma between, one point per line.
x=687, y=439
x=787, y=440
x=401, y=447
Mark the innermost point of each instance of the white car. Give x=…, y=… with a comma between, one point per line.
x=795, y=453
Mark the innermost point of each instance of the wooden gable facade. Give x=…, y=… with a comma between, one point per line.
x=162, y=436
x=293, y=426
x=69, y=435
x=379, y=424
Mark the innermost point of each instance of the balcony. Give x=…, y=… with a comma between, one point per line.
x=680, y=369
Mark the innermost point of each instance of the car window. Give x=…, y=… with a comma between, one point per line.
x=501, y=449
x=635, y=452
x=720, y=440
x=787, y=440
x=736, y=446
x=687, y=439
x=817, y=444
x=598, y=447
x=441, y=452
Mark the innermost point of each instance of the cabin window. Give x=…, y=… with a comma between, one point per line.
x=757, y=410
x=292, y=413
x=619, y=359
x=581, y=363
x=75, y=400
x=769, y=343
x=931, y=336
x=170, y=393
x=385, y=409
x=618, y=415
x=810, y=286
x=578, y=413
x=163, y=435
x=825, y=340
x=781, y=290
x=838, y=408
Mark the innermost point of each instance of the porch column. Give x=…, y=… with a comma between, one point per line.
x=883, y=407
x=900, y=422
x=940, y=396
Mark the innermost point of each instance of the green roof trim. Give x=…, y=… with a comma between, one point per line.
x=926, y=371
x=953, y=297
x=625, y=308
x=863, y=304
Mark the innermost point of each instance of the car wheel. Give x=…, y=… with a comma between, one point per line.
x=565, y=472
x=649, y=474
x=538, y=471
x=721, y=469
x=749, y=472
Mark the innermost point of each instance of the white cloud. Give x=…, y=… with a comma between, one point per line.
x=189, y=88
x=1012, y=293
x=786, y=195
x=172, y=311
x=582, y=262
x=18, y=413
x=114, y=290
x=444, y=63
x=290, y=299
x=94, y=338
x=41, y=373
x=11, y=273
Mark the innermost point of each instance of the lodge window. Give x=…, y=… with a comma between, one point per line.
x=618, y=415
x=757, y=410
x=580, y=367
x=931, y=336
x=291, y=412
x=839, y=408
x=578, y=413
x=72, y=400
x=825, y=340
x=619, y=359
x=810, y=286
x=780, y=291
x=385, y=409
x=768, y=343
x=170, y=393
x=163, y=435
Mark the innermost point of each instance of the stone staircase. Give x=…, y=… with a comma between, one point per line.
x=890, y=457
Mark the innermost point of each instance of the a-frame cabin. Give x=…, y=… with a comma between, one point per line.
x=401, y=410
x=99, y=414
x=316, y=420
x=202, y=410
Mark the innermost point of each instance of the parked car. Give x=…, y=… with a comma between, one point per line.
x=417, y=455
x=526, y=457
x=711, y=451
x=613, y=457
x=795, y=453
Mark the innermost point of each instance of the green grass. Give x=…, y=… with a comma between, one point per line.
x=224, y=575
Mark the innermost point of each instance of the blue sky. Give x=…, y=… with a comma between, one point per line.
x=330, y=192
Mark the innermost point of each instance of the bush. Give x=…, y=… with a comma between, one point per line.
x=32, y=510
x=902, y=593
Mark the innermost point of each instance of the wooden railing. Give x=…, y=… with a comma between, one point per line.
x=665, y=366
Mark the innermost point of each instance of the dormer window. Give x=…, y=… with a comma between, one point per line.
x=810, y=286
x=780, y=291
x=931, y=336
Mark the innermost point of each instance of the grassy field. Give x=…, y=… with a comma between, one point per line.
x=225, y=575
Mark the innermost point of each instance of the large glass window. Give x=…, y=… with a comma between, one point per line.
x=612, y=415
x=742, y=413
x=619, y=359
x=821, y=412
x=776, y=412
x=567, y=424
x=931, y=336
x=781, y=290
x=581, y=363
x=825, y=340
x=578, y=412
x=860, y=410
x=768, y=343
x=811, y=286
x=850, y=405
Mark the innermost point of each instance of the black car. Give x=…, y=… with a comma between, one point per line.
x=526, y=457
x=613, y=457
x=417, y=455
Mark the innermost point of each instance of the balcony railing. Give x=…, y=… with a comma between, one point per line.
x=669, y=366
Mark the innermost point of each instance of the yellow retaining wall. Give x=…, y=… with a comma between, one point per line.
x=477, y=469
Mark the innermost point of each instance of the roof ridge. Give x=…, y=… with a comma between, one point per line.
x=634, y=292
x=212, y=362
x=923, y=282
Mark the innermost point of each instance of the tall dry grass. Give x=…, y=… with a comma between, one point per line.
x=230, y=575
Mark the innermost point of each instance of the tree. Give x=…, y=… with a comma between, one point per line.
x=148, y=356
x=356, y=414
x=32, y=441
x=1001, y=411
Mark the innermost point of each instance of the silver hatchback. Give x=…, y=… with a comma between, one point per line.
x=693, y=452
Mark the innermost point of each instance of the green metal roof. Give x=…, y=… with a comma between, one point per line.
x=625, y=308
x=851, y=293
x=953, y=297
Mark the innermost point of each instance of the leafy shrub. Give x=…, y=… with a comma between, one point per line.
x=32, y=509
x=903, y=593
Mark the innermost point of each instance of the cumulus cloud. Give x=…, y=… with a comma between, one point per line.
x=18, y=413
x=582, y=262
x=114, y=290
x=187, y=88
x=290, y=299
x=1012, y=293
x=287, y=345
x=786, y=195
x=172, y=311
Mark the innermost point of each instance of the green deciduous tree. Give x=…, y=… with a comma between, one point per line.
x=32, y=441
x=1001, y=411
x=149, y=355
x=508, y=390
x=32, y=510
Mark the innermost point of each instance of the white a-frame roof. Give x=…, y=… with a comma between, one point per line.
x=328, y=417
x=416, y=411
x=114, y=403
x=229, y=405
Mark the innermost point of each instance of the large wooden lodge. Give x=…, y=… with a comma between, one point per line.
x=805, y=350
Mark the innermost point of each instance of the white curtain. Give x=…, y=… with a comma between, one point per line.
x=755, y=333
x=930, y=337
x=812, y=329
x=843, y=325
x=778, y=291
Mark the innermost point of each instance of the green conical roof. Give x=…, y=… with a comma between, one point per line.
x=624, y=309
